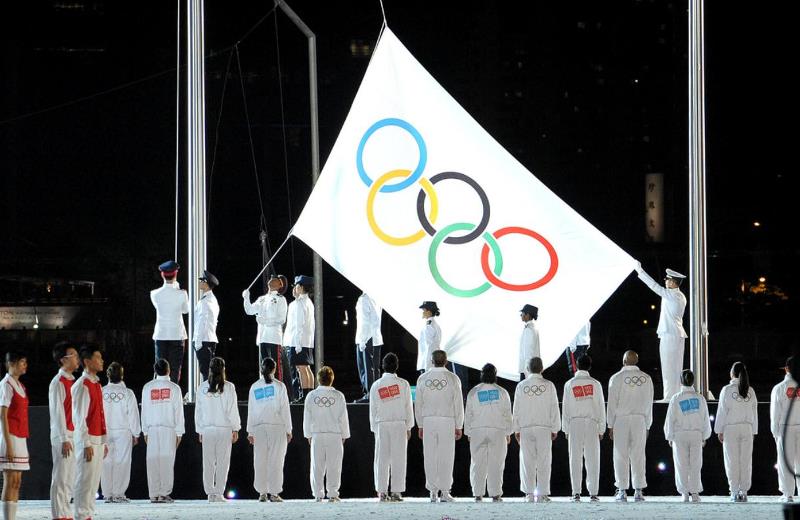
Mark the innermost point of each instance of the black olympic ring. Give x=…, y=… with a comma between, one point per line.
x=113, y=397
x=472, y=235
x=436, y=384
x=635, y=380
x=737, y=397
x=327, y=402
x=534, y=390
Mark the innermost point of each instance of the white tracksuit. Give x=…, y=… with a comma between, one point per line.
x=687, y=427
x=163, y=426
x=536, y=418
x=487, y=423
x=737, y=421
x=528, y=346
x=63, y=476
x=122, y=422
x=630, y=415
x=300, y=324
x=440, y=412
x=269, y=422
x=781, y=396
x=430, y=339
x=87, y=473
x=326, y=424
x=584, y=421
x=216, y=417
x=391, y=417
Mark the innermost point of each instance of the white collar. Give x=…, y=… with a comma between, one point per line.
x=65, y=374
x=162, y=378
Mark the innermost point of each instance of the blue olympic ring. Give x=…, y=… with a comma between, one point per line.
x=423, y=154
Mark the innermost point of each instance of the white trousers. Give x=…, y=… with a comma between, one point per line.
x=535, y=460
x=671, y=349
x=87, y=480
x=584, y=448
x=269, y=452
x=687, y=454
x=737, y=448
x=61, y=482
x=487, y=448
x=391, y=443
x=161, y=445
x=327, y=451
x=630, y=437
x=216, y=459
x=787, y=483
x=116, y=473
x=439, y=451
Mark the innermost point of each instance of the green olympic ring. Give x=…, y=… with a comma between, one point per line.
x=439, y=238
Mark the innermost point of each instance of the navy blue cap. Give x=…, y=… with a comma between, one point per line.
x=431, y=306
x=530, y=310
x=302, y=279
x=169, y=266
x=210, y=279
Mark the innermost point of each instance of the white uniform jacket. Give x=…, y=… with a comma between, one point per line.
x=687, y=411
x=439, y=395
x=735, y=409
x=206, y=314
x=528, y=346
x=217, y=409
x=121, y=409
x=368, y=322
x=390, y=401
x=536, y=405
x=325, y=411
x=270, y=312
x=430, y=339
x=299, y=331
x=162, y=405
x=170, y=303
x=268, y=403
x=56, y=395
x=583, y=398
x=673, y=304
x=630, y=392
x=582, y=338
x=781, y=396
x=488, y=406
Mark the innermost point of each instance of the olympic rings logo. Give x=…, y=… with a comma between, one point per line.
x=737, y=397
x=211, y=394
x=327, y=402
x=635, y=380
x=436, y=384
x=113, y=397
x=470, y=231
x=534, y=390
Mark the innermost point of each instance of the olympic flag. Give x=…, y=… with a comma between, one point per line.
x=417, y=202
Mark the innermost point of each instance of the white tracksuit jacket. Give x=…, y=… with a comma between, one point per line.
x=268, y=422
x=122, y=421
x=326, y=423
x=583, y=419
x=63, y=475
x=162, y=425
x=487, y=424
x=216, y=417
x=536, y=417
x=687, y=427
x=391, y=417
x=780, y=398
x=737, y=421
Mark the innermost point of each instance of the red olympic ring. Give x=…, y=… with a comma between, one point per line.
x=515, y=287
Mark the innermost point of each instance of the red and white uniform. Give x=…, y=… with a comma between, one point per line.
x=268, y=421
x=584, y=421
x=325, y=422
x=162, y=425
x=216, y=417
x=122, y=421
x=536, y=418
x=391, y=417
x=487, y=423
x=781, y=397
x=687, y=427
x=90, y=433
x=14, y=397
x=61, y=431
x=737, y=421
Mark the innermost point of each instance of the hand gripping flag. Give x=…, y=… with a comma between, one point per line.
x=417, y=202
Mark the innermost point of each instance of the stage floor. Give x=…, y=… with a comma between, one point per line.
x=417, y=509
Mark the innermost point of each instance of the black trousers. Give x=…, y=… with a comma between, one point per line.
x=271, y=350
x=369, y=365
x=172, y=351
x=204, y=355
x=572, y=357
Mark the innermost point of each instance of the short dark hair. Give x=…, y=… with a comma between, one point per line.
x=12, y=356
x=60, y=350
x=390, y=363
x=161, y=367
x=114, y=372
x=87, y=350
x=325, y=375
x=439, y=358
x=535, y=365
x=687, y=377
x=489, y=373
x=585, y=362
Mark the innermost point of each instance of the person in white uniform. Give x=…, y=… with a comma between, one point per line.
x=578, y=346
x=269, y=430
x=536, y=420
x=171, y=303
x=369, y=341
x=62, y=430
x=391, y=418
x=270, y=312
x=672, y=336
x=430, y=337
x=736, y=424
x=529, y=339
x=785, y=428
x=14, y=433
x=122, y=422
x=326, y=426
x=163, y=428
x=487, y=425
x=584, y=423
x=630, y=415
x=439, y=410
x=686, y=428
x=206, y=315
x=298, y=338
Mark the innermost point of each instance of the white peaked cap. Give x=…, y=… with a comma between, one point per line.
x=675, y=274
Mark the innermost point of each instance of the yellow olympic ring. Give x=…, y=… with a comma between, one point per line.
x=373, y=191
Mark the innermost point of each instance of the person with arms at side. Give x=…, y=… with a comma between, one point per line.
x=62, y=430
x=368, y=343
x=529, y=338
x=124, y=428
x=578, y=347
x=206, y=315
x=430, y=338
x=14, y=439
x=785, y=428
x=298, y=338
x=270, y=312
x=169, y=334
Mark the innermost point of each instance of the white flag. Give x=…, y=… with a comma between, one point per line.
x=417, y=202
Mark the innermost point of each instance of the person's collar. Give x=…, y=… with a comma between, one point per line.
x=630, y=367
x=304, y=295
x=389, y=374
x=272, y=292
x=121, y=383
x=687, y=388
x=174, y=284
x=65, y=374
x=91, y=377
x=439, y=368
x=537, y=376
x=582, y=373
x=788, y=377
x=162, y=378
x=735, y=380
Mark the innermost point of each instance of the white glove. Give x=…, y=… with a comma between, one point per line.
x=298, y=350
x=361, y=347
x=246, y=293
x=638, y=267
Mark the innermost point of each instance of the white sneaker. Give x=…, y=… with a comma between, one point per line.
x=787, y=498
x=434, y=496
x=576, y=497
x=446, y=497
x=530, y=498
x=478, y=499
x=695, y=497
x=544, y=499
x=638, y=496
x=498, y=498
x=686, y=497
x=621, y=496
x=742, y=496
x=734, y=496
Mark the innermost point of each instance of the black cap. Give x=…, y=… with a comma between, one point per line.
x=210, y=279
x=431, y=306
x=530, y=310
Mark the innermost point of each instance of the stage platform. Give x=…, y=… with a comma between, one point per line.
x=357, y=477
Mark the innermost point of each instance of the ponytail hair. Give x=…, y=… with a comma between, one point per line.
x=267, y=367
x=216, y=375
x=740, y=370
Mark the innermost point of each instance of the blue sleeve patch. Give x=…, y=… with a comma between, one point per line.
x=487, y=396
x=690, y=405
x=265, y=393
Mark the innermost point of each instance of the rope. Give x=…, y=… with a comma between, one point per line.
x=177, y=124
x=216, y=138
x=270, y=259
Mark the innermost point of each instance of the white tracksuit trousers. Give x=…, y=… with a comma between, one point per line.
x=687, y=454
x=62, y=482
x=216, y=459
x=671, y=350
x=116, y=474
x=160, y=460
x=584, y=447
x=439, y=451
x=269, y=453
x=327, y=451
x=630, y=437
x=487, y=448
x=87, y=480
x=535, y=460
x=737, y=448
x=786, y=480
x=391, y=445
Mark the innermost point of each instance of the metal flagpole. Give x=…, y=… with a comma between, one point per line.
x=698, y=294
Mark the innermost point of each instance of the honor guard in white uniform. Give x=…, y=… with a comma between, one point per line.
x=786, y=431
x=529, y=339
x=630, y=415
x=270, y=312
x=670, y=330
x=430, y=337
x=369, y=341
x=536, y=421
x=391, y=418
x=487, y=425
x=584, y=422
x=736, y=423
x=269, y=430
x=62, y=430
x=578, y=347
x=298, y=338
x=206, y=315
x=216, y=419
x=326, y=426
x=122, y=423
x=439, y=410
x=163, y=427
x=686, y=428
x=171, y=303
